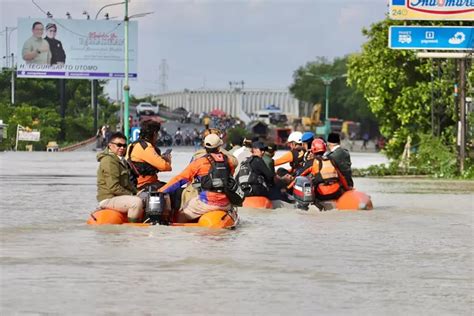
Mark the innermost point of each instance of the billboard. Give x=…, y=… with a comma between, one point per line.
x=460, y=10
x=431, y=37
x=77, y=49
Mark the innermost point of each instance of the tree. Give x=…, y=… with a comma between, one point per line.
x=37, y=101
x=344, y=101
x=399, y=88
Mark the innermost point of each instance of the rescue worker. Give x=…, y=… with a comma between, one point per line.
x=328, y=181
x=235, y=143
x=146, y=158
x=268, y=156
x=214, y=173
x=202, y=152
x=190, y=191
x=244, y=152
x=254, y=177
x=307, y=139
x=281, y=189
x=308, y=157
x=114, y=189
x=295, y=156
x=340, y=157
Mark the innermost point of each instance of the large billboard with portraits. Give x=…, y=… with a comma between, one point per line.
x=80, y=49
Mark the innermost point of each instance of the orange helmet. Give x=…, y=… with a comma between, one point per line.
x=318, y=146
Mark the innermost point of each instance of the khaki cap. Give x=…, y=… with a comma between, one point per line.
x=212, y=141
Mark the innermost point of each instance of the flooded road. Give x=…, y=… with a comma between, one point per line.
x=412, y=255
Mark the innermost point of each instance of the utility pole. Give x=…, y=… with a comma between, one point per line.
x=126, y=87
x=13, y=79
x=462, y=111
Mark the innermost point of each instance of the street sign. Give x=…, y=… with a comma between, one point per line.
x=441, y=10
x=135, y=133
x=431, y=37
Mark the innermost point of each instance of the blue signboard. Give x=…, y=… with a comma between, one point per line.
x=135, y=133
x=431, y=37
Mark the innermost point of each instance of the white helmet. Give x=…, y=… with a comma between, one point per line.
x=295, y=137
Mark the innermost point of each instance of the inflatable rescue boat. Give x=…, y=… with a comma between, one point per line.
x=214, y=219
x=257, y=202
x=352, y=200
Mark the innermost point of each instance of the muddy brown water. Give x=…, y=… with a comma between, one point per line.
x=413, y=254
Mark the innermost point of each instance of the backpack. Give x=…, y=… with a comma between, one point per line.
x=218, y=176
x=247, y=175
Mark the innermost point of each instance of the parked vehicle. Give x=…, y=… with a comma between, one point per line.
x=146, y=108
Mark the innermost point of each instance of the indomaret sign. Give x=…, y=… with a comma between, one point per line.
x=460, y=10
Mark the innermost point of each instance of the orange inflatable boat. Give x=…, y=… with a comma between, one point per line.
x=215, y=219
x=352, y=200
x=257, y=202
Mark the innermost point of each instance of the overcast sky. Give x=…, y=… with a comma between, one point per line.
x=209, y=43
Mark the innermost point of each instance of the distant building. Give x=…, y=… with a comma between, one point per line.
x=230, y=101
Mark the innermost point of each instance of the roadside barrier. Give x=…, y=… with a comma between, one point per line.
x=78, y=145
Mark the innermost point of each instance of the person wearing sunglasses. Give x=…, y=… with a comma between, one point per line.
x=114, y=189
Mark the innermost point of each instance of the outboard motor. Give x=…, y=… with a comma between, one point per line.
x=303, y=192
x=154, y=206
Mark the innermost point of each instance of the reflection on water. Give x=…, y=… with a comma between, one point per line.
x=412, y=255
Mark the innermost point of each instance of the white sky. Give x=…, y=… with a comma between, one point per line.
x=209, y=43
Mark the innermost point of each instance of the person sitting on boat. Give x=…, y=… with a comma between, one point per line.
x=146, y=157
x=202, y=151
x=235, y=143
x=254, y=177
x=281, y=189
x=295, y=156
x=268, y=156
x=213, y=172
x=340, y=157
x=244, y=152
x=307, y=139
x=190, y=191
x=328, y=181
x=114, y=189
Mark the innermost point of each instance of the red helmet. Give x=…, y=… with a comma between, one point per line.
x=318, y=146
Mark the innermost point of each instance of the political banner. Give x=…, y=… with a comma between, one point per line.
x=75, y=49
x=460, y=10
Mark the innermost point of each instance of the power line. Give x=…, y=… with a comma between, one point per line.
x=163, y=76
x=50, y=16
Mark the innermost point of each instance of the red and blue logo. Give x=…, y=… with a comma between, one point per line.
x=437, y=6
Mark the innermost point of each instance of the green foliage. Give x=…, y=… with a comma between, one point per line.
x=236, y=131
x=432, y=156
x=46, y=121
x=398, y=88
x=37, y=106
x=435, y=157
x=344, y=101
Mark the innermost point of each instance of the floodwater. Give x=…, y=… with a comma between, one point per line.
x=412, y=255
